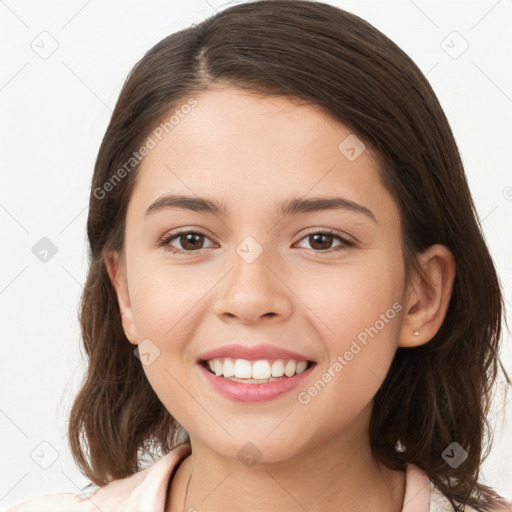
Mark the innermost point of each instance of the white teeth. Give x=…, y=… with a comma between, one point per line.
x=301, y=366
x=289, y=369
x=277, y=368
x=242, y=369
x=217, y=367
x=261, y=369
x=228, y=368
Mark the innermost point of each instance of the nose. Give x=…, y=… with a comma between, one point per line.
x=254, y=292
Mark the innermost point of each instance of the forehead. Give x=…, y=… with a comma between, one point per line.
x=239, y=145
x=236, y=119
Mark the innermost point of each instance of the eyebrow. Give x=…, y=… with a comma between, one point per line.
x=289, y=207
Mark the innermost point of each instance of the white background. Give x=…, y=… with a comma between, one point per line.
x=54, y=113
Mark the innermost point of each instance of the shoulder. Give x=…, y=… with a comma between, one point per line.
x=144, y=491
x=421, y=494
x=58, y=502
x=439, y=503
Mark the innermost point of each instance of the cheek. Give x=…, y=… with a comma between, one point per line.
x=165, y=299
x=358, y=313
x=347, y=299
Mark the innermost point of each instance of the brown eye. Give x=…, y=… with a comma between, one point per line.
x=193, y=241
x=322, y=241
x=189, y=241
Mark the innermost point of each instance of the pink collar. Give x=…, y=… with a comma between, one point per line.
x=147, y=489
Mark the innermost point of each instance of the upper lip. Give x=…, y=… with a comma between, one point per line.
x=253, y=353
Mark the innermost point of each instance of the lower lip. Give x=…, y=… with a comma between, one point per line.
x=254, y=392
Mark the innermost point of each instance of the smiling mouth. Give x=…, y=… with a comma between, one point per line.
x=255, y=372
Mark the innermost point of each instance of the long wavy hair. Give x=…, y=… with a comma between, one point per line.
x=434, y=394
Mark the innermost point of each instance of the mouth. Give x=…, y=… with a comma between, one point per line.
x=259, y=371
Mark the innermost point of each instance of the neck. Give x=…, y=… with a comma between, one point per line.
x=339, y=473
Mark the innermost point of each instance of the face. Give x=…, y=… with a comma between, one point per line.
x=327, y=284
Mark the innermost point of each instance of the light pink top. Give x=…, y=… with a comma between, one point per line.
x=146, y=491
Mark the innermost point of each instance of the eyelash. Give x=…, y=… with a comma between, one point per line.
x=168, y=238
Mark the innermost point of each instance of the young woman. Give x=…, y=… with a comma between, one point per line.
x=289, y=303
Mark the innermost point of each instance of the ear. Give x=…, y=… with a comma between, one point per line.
x=116, y=268
x=427, y=295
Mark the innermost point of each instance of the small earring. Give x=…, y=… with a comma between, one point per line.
x=416, y=333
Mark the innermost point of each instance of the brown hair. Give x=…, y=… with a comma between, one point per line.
x=434, y=394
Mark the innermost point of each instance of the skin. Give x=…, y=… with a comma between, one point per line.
x=253, y=152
